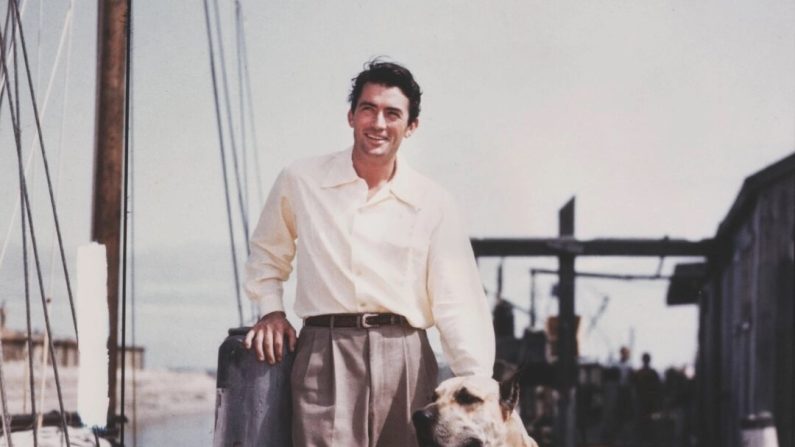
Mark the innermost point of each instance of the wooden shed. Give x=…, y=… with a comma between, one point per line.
x=744, y=364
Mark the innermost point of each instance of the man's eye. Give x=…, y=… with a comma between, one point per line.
x=464, y=397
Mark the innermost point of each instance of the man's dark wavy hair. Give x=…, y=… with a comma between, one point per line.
x=389, y=74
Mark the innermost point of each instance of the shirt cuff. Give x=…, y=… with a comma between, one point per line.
x=268, y=304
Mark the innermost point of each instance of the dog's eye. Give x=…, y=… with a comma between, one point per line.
x=464, y=397
x=434, y=396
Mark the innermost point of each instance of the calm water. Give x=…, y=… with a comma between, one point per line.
x=193, y=430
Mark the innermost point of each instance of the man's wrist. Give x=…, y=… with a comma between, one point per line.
x=275, y=312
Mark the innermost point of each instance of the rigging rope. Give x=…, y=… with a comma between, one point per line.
x=15, y=126
x=247, y=79
x=6, y=417
x=64, y=102
x=242, y=72
x=125, y=214
x=132, y=268
x=11, y=51
x=243, y=146
x=26, y=204
x=223, y=161
x=29, y=162
x=23, y=226
x=5, y=51
x=46, y=169
x=225, y=84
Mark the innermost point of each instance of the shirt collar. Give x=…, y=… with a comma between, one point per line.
x=340, y=170
x=405, y=184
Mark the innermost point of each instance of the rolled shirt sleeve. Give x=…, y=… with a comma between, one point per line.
x=273, y=248
x=458, y=302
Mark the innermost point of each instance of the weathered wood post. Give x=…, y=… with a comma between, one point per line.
x=106, y=216
x=567, y=355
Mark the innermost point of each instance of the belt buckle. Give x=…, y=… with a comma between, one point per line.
x=364, y=324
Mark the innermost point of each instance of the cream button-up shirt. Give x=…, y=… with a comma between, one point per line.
x=403, y=250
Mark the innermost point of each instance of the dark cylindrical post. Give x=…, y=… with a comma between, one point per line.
x=532, y=298
x=108, y=151
x=567, y=355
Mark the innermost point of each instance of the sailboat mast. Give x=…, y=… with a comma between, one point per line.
x=112, y=16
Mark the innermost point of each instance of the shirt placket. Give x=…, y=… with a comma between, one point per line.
x=362, y=207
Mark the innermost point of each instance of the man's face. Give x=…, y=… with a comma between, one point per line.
x=380, y=121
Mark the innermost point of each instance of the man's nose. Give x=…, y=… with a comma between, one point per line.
x=379, y=120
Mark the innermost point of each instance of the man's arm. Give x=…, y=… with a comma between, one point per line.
x=269, y=265
x=460, y=309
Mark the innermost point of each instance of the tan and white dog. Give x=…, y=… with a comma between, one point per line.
x=472, y=412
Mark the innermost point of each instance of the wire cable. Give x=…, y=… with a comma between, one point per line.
x=125, y=215
x=23, y=204
x=6, y=418
x=223, y=160
x=132, y=266
x=28, y=213
x=248, y=96
x=46, y=169
x=23, y=226
x=244, y=92
x=64, y=102
x=225, y=84
x=29, y=161
x=242, y=104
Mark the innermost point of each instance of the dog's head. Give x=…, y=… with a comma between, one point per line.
x=468, y=412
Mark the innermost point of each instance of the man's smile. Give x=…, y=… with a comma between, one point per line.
x=376, y=137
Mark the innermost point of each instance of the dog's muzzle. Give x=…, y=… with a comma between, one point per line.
x=423, y=425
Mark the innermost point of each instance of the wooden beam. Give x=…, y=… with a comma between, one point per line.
x=504, y=247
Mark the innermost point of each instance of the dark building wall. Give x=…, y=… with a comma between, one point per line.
x=746, y=339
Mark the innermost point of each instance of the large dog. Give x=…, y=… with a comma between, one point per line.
x=472, y=412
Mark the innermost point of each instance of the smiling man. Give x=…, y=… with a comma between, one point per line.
x=381, y=256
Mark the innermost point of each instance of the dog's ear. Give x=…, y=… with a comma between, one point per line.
x=509, y=395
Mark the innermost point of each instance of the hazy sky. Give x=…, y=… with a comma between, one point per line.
x=651, y=113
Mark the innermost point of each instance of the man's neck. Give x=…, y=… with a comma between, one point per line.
x=376, y=172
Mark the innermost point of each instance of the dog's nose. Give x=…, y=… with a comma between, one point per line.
x=422, y=418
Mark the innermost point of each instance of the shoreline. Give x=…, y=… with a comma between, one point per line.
x=155, y=394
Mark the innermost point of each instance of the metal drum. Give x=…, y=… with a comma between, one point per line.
x=252, y=407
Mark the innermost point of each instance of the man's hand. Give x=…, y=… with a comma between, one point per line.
x=267, y=337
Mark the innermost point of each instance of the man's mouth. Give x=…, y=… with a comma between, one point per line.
x=376, y=138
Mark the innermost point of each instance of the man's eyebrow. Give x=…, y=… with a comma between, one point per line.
x=365, y=103
x=395, y=109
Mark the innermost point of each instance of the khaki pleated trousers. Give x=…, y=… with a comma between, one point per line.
x=359, y=387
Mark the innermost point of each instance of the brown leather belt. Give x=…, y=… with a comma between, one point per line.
x=363, y=321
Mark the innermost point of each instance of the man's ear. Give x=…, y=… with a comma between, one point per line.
x=350, y=118
x=509, y=395
x=412, y=127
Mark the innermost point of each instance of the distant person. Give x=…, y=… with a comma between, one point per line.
x=618, y=400
x=648, y=394
x=624, y=367
x=381, y=256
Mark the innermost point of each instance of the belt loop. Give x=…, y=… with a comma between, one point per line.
x=331, y=322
